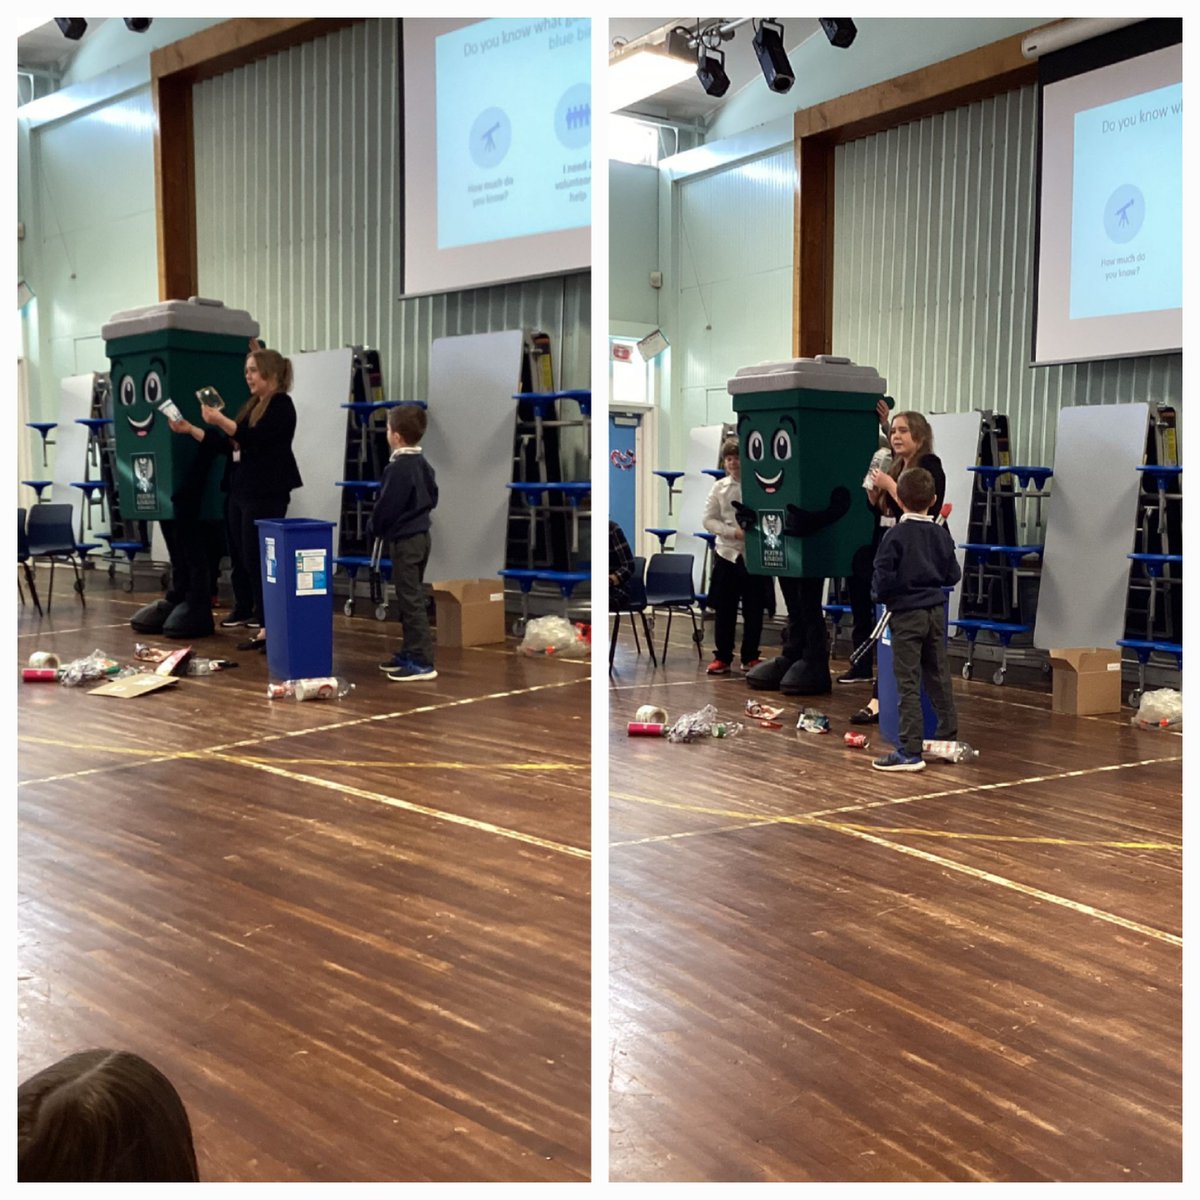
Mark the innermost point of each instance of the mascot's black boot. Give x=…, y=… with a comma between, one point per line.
x=807, y=679
x=151, y=617
x=810, y=675
x=767, y=676
x=188, y=620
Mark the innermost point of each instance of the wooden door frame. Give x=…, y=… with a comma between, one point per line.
x=976, y=75
x=174, y=71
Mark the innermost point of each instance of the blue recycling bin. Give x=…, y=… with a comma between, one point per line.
x=889, y=694
x=297, y=576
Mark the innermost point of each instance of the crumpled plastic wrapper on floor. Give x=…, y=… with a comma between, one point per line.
x=702, y=724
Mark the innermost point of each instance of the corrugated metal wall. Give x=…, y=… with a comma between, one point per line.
x=300, y=221
x=933, y=271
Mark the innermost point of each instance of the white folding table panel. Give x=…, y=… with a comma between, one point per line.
x=704, y=448
x=321, y=381
x=1091, y=515
x=956, y=443
x=70, y=450
x=469, y=444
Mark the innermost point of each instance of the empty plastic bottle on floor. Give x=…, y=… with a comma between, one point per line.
x=330, y=687
x=954, y=752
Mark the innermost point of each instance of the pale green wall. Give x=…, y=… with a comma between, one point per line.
x=85, y=195
x=86, y=188
x=633, y=243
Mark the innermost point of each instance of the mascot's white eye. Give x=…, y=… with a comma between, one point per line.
x=152, y=389
x=781, y=445
x=754, y=446
x=128, y=392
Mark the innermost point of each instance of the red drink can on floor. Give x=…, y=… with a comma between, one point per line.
x=39, y=674
x=857, y=740
x=646, y=729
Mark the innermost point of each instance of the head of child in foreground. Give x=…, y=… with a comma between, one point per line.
x=103, y=1116
x=729, y=458
x=406, y=425
x=915, y=490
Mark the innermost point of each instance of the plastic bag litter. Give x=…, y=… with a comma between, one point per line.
x=96, y=665
x=812, y=720
x=701, y=724
x=1160, y=709
x=555, y=635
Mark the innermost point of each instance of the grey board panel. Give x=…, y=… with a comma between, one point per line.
x=469, y=443
x=1090, y=519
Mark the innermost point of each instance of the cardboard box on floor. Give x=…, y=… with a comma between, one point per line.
x=470, y=612
x=1087, y=680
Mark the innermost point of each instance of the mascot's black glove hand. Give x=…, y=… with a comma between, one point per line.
x=803, y=522
x=746, y=517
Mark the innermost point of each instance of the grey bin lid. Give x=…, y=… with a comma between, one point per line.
x=825, y=373
x=195, y=315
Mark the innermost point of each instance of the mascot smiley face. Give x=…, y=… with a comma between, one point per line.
x=139, y=387
x=768, y=443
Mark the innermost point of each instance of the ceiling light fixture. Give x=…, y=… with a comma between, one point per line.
x=71, y=27
x=841, y=31
x=768, y=45
x=711, y=71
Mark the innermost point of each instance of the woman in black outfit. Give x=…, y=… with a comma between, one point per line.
x=262, y=475
x=912, y=446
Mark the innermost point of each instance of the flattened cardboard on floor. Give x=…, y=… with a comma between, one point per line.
x=131, y=686
x=1087, y=680
x=470, y=612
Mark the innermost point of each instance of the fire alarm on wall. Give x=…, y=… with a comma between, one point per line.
x=656, y=279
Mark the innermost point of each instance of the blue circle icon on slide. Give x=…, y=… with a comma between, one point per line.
x=1124, y=213
x=491, y=136
x=573, y=116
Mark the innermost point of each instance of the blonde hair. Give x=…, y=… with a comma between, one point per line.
x=271, y=365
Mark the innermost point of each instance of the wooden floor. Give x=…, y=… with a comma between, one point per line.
x=355, y=935
x=822, y=972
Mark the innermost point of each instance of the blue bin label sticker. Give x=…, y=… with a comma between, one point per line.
x=774, y=551
x=311, y=573
x=272, y=573
x=145, y=483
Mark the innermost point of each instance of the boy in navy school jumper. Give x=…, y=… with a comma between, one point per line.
x=914, y=562
x=407, y=495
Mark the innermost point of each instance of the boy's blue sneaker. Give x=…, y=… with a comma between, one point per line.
x=409, y=671
x=397, y=660
x=899, y=761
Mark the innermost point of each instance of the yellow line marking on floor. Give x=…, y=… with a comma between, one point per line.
x=409, y=806
x=1025, y=889
x=173, y=756
x=1003, y=837
x=760, y=819
x=388, y=763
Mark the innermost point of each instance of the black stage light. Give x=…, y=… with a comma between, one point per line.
x=768, y=45
x=138, y=24
x=711, y=72
x=71, y=27
x=839, y=30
